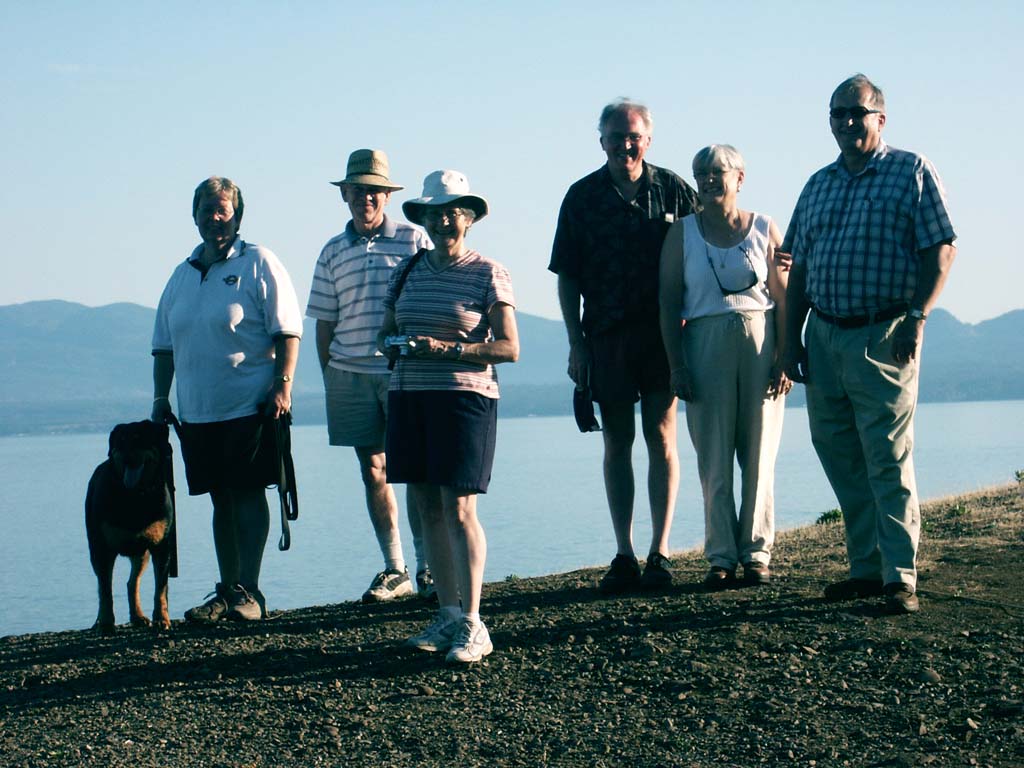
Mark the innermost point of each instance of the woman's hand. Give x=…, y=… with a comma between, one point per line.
x=428, y=346
x=780, y=383
x=280, y=400
x=783, y=260
x=161, y=412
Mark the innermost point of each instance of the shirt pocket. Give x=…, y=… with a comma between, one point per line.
x=882, y=218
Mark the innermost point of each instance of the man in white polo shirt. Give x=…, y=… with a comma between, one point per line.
x=346, y=299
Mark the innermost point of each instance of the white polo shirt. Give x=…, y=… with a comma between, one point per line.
x=220, y=327
x=349, y=285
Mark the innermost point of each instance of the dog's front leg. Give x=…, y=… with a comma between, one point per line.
x=161, y=573
x=138, y=566
x=103, y=566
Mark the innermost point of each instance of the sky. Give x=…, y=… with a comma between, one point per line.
x=112, y=113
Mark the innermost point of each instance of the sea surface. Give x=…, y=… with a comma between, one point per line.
x=545, y=512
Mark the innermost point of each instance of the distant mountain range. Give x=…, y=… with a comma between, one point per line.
x=68, y=367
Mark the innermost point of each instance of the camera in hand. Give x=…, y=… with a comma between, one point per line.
x=404, y=343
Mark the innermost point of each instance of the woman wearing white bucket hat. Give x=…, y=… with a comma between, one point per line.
x=449, y=319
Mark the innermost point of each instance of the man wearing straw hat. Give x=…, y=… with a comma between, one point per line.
x=346, y=299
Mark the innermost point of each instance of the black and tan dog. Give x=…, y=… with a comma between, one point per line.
x=129, y=510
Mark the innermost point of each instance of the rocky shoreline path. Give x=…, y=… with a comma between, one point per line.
x=748, y=677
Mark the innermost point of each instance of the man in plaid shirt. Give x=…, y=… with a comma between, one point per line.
x=872, y=246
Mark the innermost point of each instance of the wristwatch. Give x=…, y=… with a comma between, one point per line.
x=917, y=314
x=284, y=377
x=458, y=350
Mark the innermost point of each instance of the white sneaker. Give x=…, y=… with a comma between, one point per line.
x=388, y=585
x=471, y=644
x=438, y=636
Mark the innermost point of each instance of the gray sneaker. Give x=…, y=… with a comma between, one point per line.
x=438, y=635
x=245, y=605
x=387, y=585
x=214, y=609
x=471, y=644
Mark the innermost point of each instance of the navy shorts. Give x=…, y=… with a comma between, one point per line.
x=627, y=362
x=441, y=437
x=238, y=453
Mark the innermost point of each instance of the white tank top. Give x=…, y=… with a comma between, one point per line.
x=735, y=268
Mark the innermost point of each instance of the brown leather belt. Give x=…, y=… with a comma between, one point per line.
x=859, y=321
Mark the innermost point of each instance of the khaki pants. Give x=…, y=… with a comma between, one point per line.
x=731, y=420
x=861, y=410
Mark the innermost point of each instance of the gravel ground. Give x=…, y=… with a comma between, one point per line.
x=764, y=676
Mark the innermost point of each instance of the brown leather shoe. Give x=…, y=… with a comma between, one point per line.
x=755, y=573
x=900, y=598
x=719, y=578
x=852, y=589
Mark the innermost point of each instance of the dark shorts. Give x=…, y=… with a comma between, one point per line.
x=441, y=438
x=627, y=362
x=238, y=453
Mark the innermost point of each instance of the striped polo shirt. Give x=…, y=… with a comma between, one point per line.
x=449, y=304
x=859, y=236
x=349, y=284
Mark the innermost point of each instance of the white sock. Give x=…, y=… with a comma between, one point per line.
x=473, y=618
x=391, y=547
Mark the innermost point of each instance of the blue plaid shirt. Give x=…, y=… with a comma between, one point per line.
x=859, y=236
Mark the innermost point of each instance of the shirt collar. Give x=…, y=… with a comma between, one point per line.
x=233, y=251
x=880, y=152
x=388, y=228
x=647, y=178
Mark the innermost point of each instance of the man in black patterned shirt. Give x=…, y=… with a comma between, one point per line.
x=606, y=252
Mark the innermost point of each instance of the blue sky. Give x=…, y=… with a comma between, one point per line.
x=113, y=112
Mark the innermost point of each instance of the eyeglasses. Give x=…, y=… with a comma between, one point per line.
x=707, y=173
x=857, y=113
x=451, y=214
x=730, y=291
x=359, y=190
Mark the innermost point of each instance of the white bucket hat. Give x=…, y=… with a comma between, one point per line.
x=449, y=188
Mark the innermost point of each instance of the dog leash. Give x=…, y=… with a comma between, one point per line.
x=286, y=489
x=168, y=452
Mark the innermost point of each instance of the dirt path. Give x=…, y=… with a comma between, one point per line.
x=768, y=676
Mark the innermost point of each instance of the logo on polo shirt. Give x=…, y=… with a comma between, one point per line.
x=231, y=280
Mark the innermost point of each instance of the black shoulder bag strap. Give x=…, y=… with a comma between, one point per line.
x=400, y=282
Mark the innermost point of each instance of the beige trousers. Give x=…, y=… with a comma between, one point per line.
x=861, y=410
x=732, y=421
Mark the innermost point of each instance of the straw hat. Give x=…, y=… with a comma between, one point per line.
x=368, y=167
x=449, y=188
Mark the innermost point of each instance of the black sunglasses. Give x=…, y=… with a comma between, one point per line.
x=730, y=291
x=857, y=113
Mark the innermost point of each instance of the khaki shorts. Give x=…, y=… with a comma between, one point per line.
x=357, y=407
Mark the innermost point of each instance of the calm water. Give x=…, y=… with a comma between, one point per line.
x=545, y=511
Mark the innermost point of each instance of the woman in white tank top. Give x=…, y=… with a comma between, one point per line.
x=722, y=295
